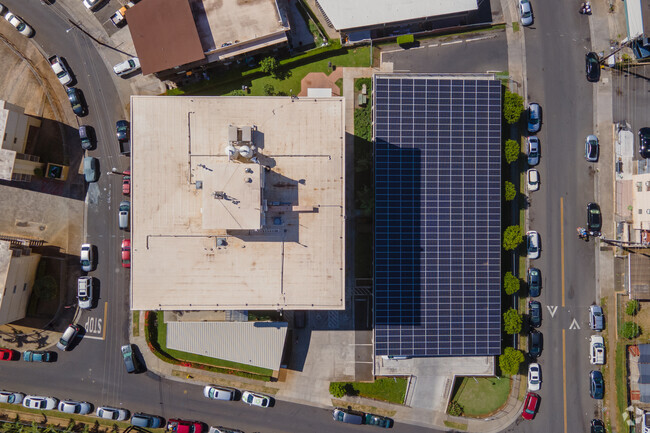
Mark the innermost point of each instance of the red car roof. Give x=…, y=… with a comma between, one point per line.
x=530, y=406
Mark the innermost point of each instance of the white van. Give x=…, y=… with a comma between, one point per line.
x=123, y=215
x=218, y=393
x=127, y=66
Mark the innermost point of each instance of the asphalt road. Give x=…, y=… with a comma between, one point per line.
x=93, y=371
x=555, y=48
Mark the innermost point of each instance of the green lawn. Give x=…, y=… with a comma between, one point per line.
x=621, y=383
x=391, y=389
x=136, y=323
x=482, y=395
x=293, y=70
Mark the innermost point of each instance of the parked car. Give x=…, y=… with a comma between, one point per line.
x=182, y=426
x=11, y=397
x=592, y=67
x=532, y=143
x=215, y=392
x=644, y=142
x=221, y=429
x=76, y=98
x=534, y=282
x=20, y=25
x=130, y=360
x=597, y=350
x=645, y=422
x=43, y=403
x=38, y=356
x=596, y=385
x=78, y=407
x=92, y=4
x=254, y=399
x=534, y=116
x=9, y=355
x=87, y=258
x=126, y=183
x=147, y=421
x=525, y=13
x=85, y=292
x=91, y=169
x=123, y=215
x=535, y=343
x=376, y=420
x=112, y=413
x=532, y=180
x=127, y=66
x=594, y=218
x=535, y=313
x=596, y=318
x=347, y=416
x=532, y=244
x=68, y=337
x=592, y=148
x=87, y=137
x=597, y=426
x=534, y=377
x=126, y=253
x=531, y=405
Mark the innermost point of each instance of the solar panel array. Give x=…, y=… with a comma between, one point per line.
x=437, y=215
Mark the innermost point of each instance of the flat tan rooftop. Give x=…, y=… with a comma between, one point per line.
x=188, y=198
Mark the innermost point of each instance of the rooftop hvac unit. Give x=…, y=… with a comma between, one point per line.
x=231, y=151
x=245, y=152
x=246, y=134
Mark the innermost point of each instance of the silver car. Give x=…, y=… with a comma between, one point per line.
x=11, y=397
x=78, y=407
x=43, y=403
x=591, y=148
x=123, y=215
x=525, y=13
x=596, y=318
x=112, y=413
x=86, y=257
x=532, y=244
x=532, y=143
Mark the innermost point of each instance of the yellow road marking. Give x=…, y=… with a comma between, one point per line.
x=562, y=246
x=564, y=375
x=104, y=327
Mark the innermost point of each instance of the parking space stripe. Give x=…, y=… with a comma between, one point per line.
x=104, y=328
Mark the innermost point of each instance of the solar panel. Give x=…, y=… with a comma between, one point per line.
x=437, y=215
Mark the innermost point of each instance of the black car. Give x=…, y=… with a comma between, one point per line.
x=592, y=65
x=87, y=137
x=122, y=130
x=534, y=282
x=535, y=313
x=594, y=219
x=597, y=426
x=596, y=385
x=76, y=98
x=644, y=142
x=535, y=342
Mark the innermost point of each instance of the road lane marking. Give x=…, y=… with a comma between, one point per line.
x=552, y=309
x=574, y=325
x=451, y=43
x=91, y=337
x=104, y=330
x=562, y=246
x=564, y=375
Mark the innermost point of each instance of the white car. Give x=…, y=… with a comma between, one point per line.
x=112, y=413
x=11, y=397
x=214, y=392
x=19, y=25
x=646, y=422
x=532, y=179
x=525, y=13
x=92, y=4
x=255, y=399
x=79, y=407
x=534, y=377
x=532, y=244
x=86, y=257
x=532, y=144
x=43, y=403
x=596, y=350
x=127, y=66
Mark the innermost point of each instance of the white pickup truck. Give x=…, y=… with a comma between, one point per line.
x=61, y=70
x=597, y=350
x=118, y=18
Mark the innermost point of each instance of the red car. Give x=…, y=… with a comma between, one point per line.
x=126, y=253
x=126, y=183
x=7, y=355
x=530, y=406
x=182, y=426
